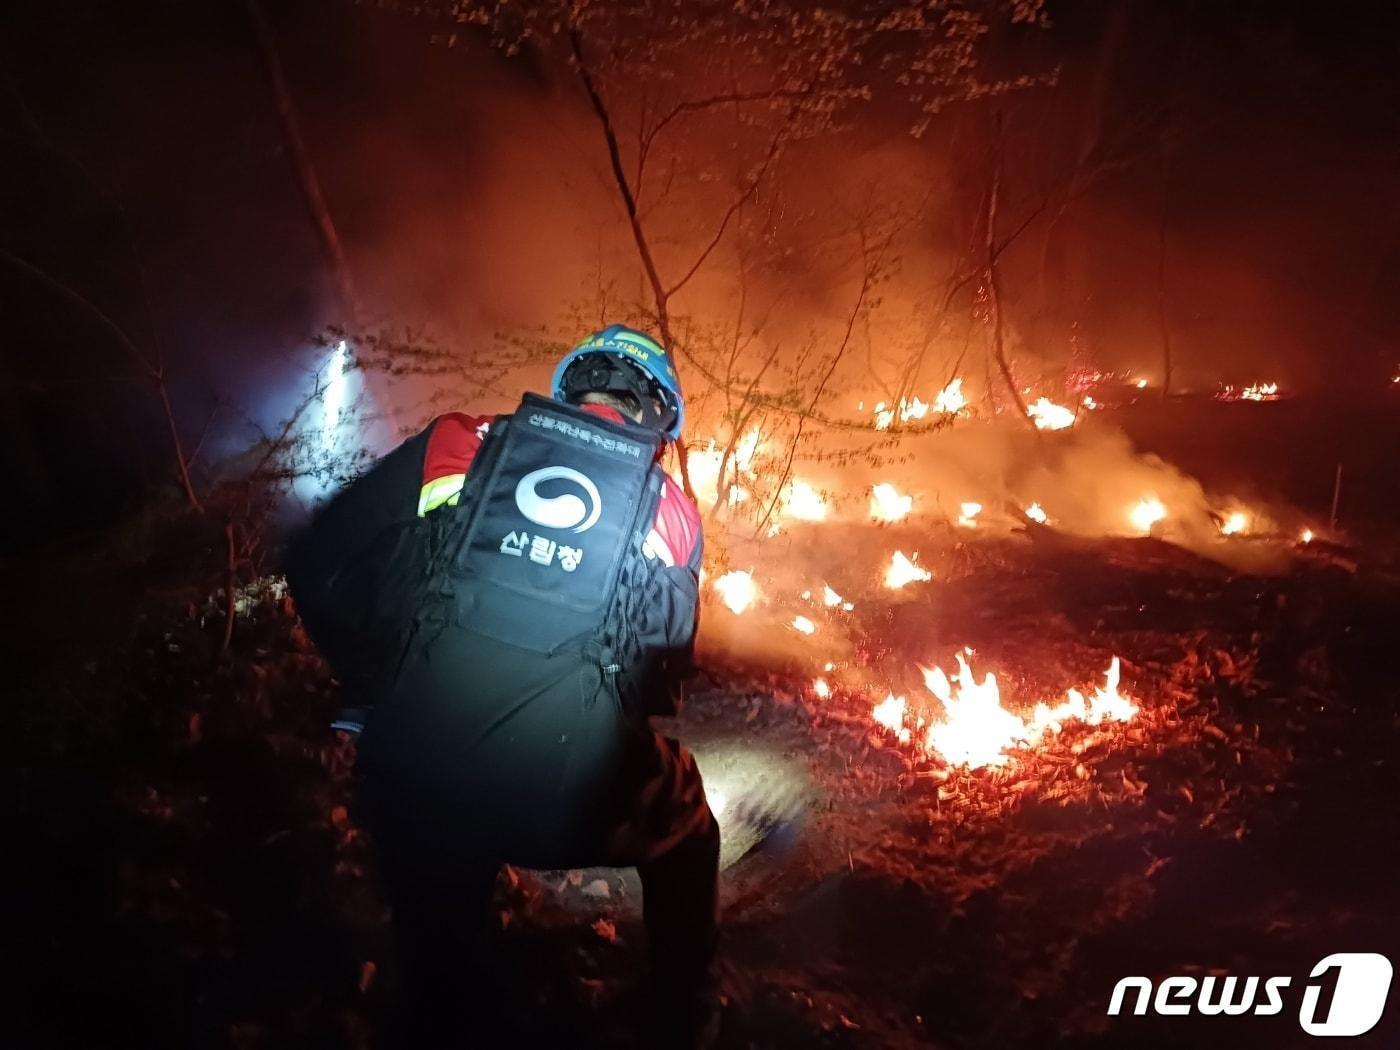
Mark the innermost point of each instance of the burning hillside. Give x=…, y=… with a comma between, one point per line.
x=1032, y=365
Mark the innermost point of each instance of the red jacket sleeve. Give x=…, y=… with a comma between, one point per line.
x=678, y=527
x=453, y=443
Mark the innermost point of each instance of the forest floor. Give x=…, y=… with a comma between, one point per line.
x=191, y=874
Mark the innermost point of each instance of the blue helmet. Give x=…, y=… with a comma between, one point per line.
x=622, y=359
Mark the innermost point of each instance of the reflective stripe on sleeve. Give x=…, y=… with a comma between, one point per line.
x=439, y=491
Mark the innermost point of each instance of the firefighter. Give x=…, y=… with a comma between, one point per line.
x=512, y=598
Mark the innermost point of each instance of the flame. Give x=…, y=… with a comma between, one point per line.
x=1050, y=416
x=1089, y=403
x=820, y=687
x=1037, y=513
x=905, y=410
x=887, y=504
x=831, y=599
x=704, y=469
x=1236, y=523
x=950, y=399
x=1106, y=705
x=889, y=713
x=902, y=571
x=1146, y=513
x=967, y=514
x=1142, y=384
x=1306, y=536
x=804, y=502
x=737, y=590
x=801, y=623
x=978, y=731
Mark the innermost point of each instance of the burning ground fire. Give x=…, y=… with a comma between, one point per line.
x=977, y=731
x=974, y=729
x=964, y=721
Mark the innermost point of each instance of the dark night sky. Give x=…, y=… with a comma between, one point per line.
x=460, y=180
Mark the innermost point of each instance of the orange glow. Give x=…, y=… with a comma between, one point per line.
x=1146, y=513
x=889, y=713
x=737, y=590
x=1235, y=524
x=804, y=502
x=888, y=504
x=1048, y=415
x=950, y=399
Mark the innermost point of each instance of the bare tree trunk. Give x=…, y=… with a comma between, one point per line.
x=872, y=269
x=1163, y=320
x=182, y=461
x=301, y=160
x=993, y=287
x=629, y=201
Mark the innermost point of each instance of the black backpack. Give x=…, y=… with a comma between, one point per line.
x=550, y=526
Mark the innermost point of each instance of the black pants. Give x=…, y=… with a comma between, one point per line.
x=439, y=856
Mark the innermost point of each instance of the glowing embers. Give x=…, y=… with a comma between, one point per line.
x=1049, y=416
x=903, y=571
x=967, y=514
x=737, y=590
x=977, y=731
x=1254, y=392
x=887, y=503
x=1146, y=513
x=802, y=625
x=1037, y=514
